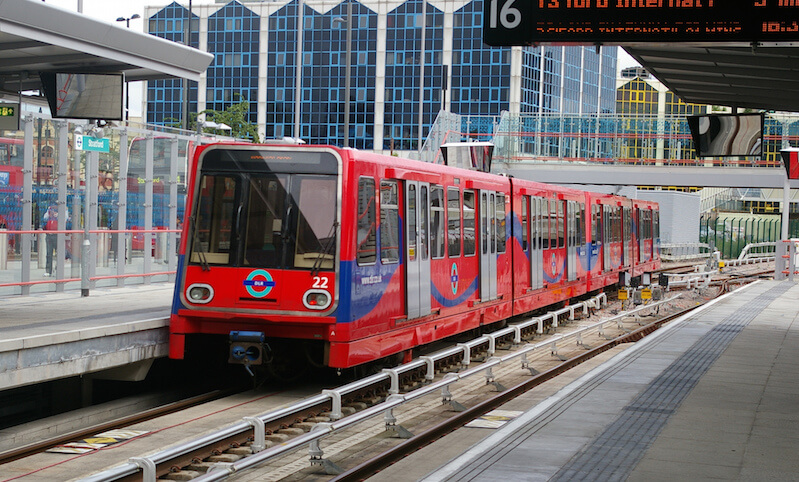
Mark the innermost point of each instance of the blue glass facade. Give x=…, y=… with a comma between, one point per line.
x=232, y=77
x=403, y=70
x=165, y=97
x=391, y=67
x=480, y=73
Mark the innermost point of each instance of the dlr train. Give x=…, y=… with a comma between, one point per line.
x=296, y=254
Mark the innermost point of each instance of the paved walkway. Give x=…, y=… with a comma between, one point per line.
x=710, y=397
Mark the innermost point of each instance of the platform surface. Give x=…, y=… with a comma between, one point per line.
x=712, y=396
x=50, y=336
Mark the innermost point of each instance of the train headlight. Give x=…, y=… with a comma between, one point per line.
x=316, y=299
x=200, y=293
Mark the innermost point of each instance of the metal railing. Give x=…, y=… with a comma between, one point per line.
x=758, y=250
x=684, y=251
x=123, y=206
x=786, y=265
x=599, y=139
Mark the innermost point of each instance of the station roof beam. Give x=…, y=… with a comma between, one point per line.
x=38, y=37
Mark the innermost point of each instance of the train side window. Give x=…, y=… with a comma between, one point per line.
x=594, y=224
x=538, y=239
x=499, y=213
x=485, y=221
x=424, y=205
x=548, y=223
x=468, y=223
x=655, y=224
x=454, y=222
x=437, y=239
x=366, y=236
x=561, y=232
x=524, y=222
x=389, y=222
x=534, y=231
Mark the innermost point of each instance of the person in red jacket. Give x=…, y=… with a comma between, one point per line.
x=50, y=223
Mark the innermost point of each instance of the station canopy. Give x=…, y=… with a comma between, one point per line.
x=38, y=37
x=744, y=77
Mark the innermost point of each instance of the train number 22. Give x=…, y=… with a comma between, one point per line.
x=319, y=282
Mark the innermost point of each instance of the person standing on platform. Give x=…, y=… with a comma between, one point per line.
x=50, y=223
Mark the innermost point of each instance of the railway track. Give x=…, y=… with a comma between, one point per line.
x=557, y=352
x=407, y=447
x=565, y=339
x=35, y=448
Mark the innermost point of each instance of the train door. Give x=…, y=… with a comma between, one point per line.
x=596, y=236
x=571, y=240
x=417, y=248
x=627, y=237
x=536, y=243
x=641, y=234
x=655, y=234
x=607, y=238
x=488, y=245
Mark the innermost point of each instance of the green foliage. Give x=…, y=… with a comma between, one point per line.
x=235, y=116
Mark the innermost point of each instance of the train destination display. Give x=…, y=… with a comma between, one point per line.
x=533, y=22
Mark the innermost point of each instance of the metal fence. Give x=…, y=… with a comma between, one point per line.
x=599, y=139
x=731, y=232
x=118, y=204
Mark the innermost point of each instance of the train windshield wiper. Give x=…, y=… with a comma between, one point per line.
x=197, y=246
x=325, y=253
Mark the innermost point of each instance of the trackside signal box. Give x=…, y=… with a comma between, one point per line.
x=790, y=159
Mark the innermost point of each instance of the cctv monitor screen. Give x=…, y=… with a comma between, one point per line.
x=727, y=135
x=84, y=96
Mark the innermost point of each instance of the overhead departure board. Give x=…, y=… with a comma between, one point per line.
x=588, y=22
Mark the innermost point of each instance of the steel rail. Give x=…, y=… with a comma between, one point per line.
x=405, y=448
x=147, y=468
x=38, y=447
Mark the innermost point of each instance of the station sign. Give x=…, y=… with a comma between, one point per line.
x=619, y=22
x=790, y=159
x=89, y=143
x=9, y=116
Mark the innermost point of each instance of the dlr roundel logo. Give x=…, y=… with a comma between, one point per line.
x=259, y=283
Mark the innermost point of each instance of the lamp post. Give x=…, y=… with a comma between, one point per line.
x=127, y=93
x=348, y=21
x=128, y=19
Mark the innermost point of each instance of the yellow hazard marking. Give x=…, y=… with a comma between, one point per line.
x=122, y=434
x=646, y=294
x=100, y=440
x=494, y=419
x=97, y=442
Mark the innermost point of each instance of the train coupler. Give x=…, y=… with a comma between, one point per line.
x=247, y=348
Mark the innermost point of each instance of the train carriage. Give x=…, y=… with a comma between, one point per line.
x=646, y=229
x=552, y=260
x=342, y=257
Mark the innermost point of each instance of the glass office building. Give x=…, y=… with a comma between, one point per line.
x=408, y=61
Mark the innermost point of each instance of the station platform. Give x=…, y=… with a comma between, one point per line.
x=50, y=336
x=711, y=396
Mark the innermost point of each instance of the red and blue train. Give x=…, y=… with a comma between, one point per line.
x=342, y=257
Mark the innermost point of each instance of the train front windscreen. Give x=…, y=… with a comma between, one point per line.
x=269, y=209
